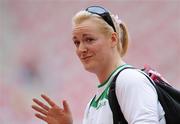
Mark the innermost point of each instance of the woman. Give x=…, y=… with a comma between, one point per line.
x=101, y=40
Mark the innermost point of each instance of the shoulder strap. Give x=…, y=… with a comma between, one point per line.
x=118, y=117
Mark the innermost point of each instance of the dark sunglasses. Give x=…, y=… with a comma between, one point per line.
x=103, y=13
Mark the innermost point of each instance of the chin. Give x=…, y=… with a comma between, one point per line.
x=89, y=68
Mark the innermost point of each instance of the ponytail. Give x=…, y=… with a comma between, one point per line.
x=123, y=36
x=124, y=39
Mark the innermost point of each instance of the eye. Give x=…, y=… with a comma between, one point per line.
x=76, y=42
x=89, y=39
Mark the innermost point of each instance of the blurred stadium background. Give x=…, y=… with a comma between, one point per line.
x=37, y=53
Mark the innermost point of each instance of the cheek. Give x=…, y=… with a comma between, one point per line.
x=77, y=53
x=101, y=48
x=103, y=53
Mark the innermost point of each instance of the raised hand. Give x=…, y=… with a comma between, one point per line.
x=53, y=114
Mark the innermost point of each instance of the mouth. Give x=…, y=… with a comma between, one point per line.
x=86, y=58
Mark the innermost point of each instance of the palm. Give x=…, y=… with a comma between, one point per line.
x=56, y=116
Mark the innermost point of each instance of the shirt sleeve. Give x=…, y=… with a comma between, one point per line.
x=137, y=97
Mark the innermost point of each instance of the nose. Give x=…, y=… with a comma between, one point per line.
x=82, y=47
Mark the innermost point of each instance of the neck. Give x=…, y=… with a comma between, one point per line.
x=106, y=71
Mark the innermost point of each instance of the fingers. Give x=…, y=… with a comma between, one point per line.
x=48, y=100
x=41, y=104
x=41, y=117
x=66, y=106
x=42, y=111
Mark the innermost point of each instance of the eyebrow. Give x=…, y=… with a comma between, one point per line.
x=84, y=35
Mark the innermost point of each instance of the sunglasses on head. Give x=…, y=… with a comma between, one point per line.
x=103, y=13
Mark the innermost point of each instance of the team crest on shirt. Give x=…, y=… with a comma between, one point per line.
x=101, y=104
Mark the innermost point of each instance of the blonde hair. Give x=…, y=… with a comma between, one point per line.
x=121, y=29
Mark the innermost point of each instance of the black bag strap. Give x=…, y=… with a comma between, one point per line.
x=118, y=117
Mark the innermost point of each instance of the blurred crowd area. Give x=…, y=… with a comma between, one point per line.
x=37, y=53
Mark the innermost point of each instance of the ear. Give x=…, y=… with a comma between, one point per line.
x=114, y=39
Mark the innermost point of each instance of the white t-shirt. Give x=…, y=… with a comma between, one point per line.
x=137, y=98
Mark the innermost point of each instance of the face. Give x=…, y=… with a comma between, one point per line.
x=92, y=47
